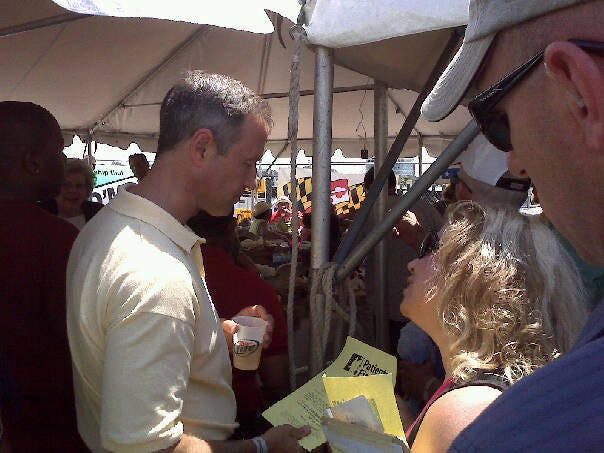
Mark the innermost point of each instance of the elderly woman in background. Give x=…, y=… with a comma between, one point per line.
x=72, y=203
x=500, y=297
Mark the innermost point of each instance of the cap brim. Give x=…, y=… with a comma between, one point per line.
x=455, y=80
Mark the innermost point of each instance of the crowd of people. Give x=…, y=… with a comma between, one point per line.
x=116, y=329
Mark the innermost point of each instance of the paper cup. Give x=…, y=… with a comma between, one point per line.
x=247, y=342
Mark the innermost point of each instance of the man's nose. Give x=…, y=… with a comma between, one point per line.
x=411, y=265
x=515, y=166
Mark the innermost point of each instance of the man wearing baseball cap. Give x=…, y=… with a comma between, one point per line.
x=484, y=177
x=539, y=68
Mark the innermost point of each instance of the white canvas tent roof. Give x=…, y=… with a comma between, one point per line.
x=108, y=75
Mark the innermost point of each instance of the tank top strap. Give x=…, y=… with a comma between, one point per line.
x=483, y=378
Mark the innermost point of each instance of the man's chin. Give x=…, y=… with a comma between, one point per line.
x=219, y=211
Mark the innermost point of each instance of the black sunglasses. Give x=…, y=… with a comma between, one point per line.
x=429, y=245
x=495, y=125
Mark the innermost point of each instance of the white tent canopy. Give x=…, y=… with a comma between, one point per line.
x=105, y=77
x=236, y=14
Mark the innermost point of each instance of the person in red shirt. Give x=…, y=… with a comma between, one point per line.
x=233, y=288
x=283, y=214
x=34, y=247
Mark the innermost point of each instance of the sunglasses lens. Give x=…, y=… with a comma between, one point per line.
x=496, y=129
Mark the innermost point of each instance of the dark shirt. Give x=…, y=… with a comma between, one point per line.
x=558, y=408
x=89, y=208
x=233, y=288
x=34, y=248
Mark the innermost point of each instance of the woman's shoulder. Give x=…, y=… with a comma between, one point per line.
x=452, y=413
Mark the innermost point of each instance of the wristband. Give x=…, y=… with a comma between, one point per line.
x=429, y=383
x=260, y=444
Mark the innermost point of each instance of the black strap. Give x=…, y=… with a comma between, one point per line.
x=492, y=380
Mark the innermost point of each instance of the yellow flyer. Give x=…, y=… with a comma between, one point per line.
x=307, y=405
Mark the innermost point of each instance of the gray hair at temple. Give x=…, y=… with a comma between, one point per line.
x=208, y=101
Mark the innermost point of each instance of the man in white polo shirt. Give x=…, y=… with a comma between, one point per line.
x=484, y=177
x=151, y=364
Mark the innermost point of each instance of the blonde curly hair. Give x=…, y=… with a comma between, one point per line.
x=506, y=290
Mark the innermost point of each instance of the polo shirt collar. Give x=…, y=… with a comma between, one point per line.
x=135, y=206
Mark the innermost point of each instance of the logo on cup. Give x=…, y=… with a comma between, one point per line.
x=245, y=347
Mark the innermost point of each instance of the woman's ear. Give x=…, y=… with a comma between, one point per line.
x=582, y=80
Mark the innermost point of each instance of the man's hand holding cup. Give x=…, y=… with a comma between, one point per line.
x=247, y=334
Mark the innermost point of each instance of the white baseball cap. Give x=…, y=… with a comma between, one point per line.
x=487, y=17
x=483, y=162
x=484, y=170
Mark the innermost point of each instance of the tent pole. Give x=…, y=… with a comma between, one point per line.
x=395, y=151
x=380, y=128
x=420, y=186
x=321, y=181
x=41, y=23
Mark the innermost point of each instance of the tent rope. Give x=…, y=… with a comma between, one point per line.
x=322, y=293
x=298, y=35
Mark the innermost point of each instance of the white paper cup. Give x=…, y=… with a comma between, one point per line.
x=247, y=342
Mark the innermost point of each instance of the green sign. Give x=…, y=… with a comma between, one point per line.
x=107, y=174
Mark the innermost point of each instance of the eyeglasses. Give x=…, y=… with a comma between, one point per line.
x=430, y=244
x=495, y=125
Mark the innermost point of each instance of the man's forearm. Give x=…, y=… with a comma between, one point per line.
x=192, y=444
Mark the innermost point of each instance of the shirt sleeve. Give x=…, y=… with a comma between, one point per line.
x=149, y=341
x=147, y=364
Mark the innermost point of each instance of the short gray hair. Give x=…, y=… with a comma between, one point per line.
x=81, y=166
x=212, y=101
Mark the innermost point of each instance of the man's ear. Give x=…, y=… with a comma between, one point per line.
x=31, y=162
x=199, y=145
x=582, y=78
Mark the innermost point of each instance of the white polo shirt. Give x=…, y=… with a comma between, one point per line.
x=149, y=356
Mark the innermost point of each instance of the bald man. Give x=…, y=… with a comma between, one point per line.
x=539, y=68
x=34, y=247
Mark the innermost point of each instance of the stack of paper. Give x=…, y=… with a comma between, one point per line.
x=367, y=420
x=357, y=393
x=349, y=438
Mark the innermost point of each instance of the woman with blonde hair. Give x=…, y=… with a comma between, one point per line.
x=72, y=203
x=500, y=297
